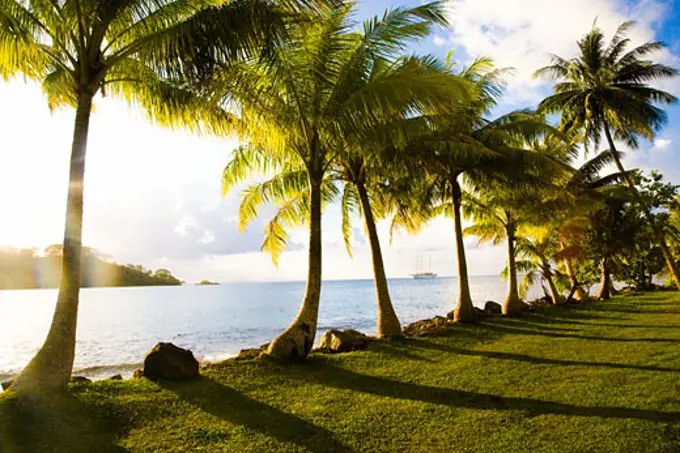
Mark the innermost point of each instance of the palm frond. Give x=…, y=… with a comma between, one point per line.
x=350, y=207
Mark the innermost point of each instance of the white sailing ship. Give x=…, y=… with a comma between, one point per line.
x=423, y=272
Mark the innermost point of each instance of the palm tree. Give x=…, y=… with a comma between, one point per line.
x=324, y=94
x=432, y=185
x=608, y=234
x=536, y=247
x=498, y=215
x=467, y=149
x=584, y=193
x=605, y=90
x=139, y=50
x=361, y=193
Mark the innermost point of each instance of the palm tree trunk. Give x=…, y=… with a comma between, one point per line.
x=295, y=343
x=464, y=311
x=52, y=365
x=578, y=293
x=659, y=236
x=605, y=281
x=388, y=323
x=555, y=294
x=512, y=305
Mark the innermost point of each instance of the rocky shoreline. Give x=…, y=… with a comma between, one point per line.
x=167, y=361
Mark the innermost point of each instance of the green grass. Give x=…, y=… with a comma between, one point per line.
x=605, y=378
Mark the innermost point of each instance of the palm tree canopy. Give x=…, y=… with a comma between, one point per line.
x=608, y=85
x=141, y=50
x=496, y=211
x=331, y=86
x=330, y=93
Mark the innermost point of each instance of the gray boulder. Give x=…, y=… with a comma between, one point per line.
x=427, y=326
x=171, y=363
x=249, y=354
x=80, y=379
x=338, y=341
x=493, y=308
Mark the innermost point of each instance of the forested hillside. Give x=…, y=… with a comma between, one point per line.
x=30, y=269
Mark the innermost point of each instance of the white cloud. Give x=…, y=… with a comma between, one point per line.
x=439, y=41
x=185, y=224
x=522, y=33
x=662, y=144
x=208, y=238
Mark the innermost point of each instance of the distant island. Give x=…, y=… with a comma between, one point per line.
x=206, y=283
x=34, y=269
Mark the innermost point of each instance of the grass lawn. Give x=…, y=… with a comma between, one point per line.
x=605, y=378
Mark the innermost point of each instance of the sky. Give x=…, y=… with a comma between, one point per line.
x=152, y=196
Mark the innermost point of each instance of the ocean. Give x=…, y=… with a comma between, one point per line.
x=117, y=326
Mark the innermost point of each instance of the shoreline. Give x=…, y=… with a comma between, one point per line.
x=103, y=372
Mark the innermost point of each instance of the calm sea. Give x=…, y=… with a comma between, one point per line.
x=117, y=326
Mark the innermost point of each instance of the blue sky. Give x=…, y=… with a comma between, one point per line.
x=153, y=195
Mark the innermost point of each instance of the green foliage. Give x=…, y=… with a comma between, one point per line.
x=607, y=86
x=623, y=230
x=326, y=96
x=26, y=269
x=143, y=51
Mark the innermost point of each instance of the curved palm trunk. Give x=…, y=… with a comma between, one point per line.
x=577, y=292
x=51, y=367
x=659, y=236
x=387, y=323
x=295, y=343
x=512, y=305
x=555, y=294
x=605, y=280
x=464, y=311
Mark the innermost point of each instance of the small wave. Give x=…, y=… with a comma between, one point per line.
x=215, y=358
x=124, y=369
x=103, y=370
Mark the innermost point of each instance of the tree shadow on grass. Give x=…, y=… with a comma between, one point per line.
x=626, y=310
x=539, y=321
x=235, y=407
x=344, y=379
x=525, y=323
x=536, y=360
x=510, y=330
x=575, y=312
x=58, y=423
x=399, y=352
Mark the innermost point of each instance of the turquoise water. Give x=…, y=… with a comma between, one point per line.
x=117, y=326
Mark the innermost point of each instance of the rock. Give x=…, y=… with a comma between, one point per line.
x=338, y=341
x=249, y=354
x=252, y=353
x=440, y=321
x=79, y=379
x=493, y=308
x=138, y=374
x=480, y=313
x=116, y=377
x=541, y=303
x=169, y=362
x=7, y=384
x=427, y=326
x=528, y=307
